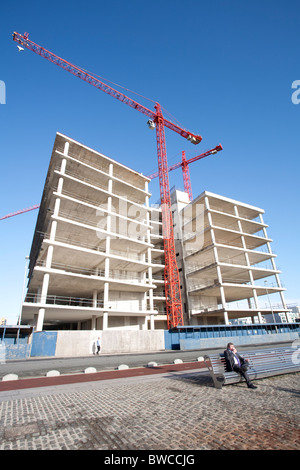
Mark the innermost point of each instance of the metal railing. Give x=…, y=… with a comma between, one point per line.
x=70, y=301
x=121, y=254
x=93, y=272
x=64, y=300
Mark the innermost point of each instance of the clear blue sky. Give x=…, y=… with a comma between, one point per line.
x=224, y=69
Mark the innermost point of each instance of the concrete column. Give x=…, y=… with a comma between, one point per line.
x=49, y=256
x=223, y=300
x=282, y=300
x=151, y=302
x=107, y=265
x=45, y=288
x=255, y=298
x=60, y=185
x=93, y=322
x=151, y=322
x=53, y=230
x=105, y=321
x=226, y=320
x=66, y=148
x=41, y=314
x=108, y=225
x=144, y=301
x=63, y=165
x=145, y=324
x=106, y=294
x=260, y=318
x=216, y=255
x=219, y=274
x=95, y=298
x=236, y=213
x=40, y=320
x=110, y=185
x=56, y=207
x=206, y=201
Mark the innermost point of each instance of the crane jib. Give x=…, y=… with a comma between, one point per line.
x=77, y=72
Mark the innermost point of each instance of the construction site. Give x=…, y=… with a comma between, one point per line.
x=104, y=258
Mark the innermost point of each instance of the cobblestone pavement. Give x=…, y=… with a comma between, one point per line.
x=173, y=411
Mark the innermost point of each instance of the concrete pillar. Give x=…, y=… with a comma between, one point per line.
x=226, y=321
x=107, y=265
x=255, y=298
x=105, y=321
x=53, y=230
x=108, y=225
x=63, y=165
x=106, y=294
x=49, y=256
x=93, y=322
x=110, y=185
x=40, y=319
x=145, y=324
x=56, y=207
x=151, y=322
x=45, y=288
x=95, y=298
x=223, y=300
x=60, y=185
x=151, y=301
x=282, y=300
x=66, y=148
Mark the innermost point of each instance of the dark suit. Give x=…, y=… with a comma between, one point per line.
x=231, y=364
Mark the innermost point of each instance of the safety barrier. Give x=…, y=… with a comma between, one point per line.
x=201, y=336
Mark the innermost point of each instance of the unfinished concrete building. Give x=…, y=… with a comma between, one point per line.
x=97, y=257
x=224, y=255
x=90, y=262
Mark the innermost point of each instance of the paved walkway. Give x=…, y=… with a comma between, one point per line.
x=170, y=408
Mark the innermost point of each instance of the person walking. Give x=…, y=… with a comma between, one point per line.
x=98, y=344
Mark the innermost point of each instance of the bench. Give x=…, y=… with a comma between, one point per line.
x=262, y=363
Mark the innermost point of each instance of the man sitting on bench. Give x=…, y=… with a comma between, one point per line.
x=236, y=363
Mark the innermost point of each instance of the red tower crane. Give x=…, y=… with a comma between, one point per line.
x=171, y=275
x=184, y=164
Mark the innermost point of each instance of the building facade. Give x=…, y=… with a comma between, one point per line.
x=227, y=266
x=90, y=262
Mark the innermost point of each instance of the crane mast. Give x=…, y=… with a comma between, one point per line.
x=171, y=275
